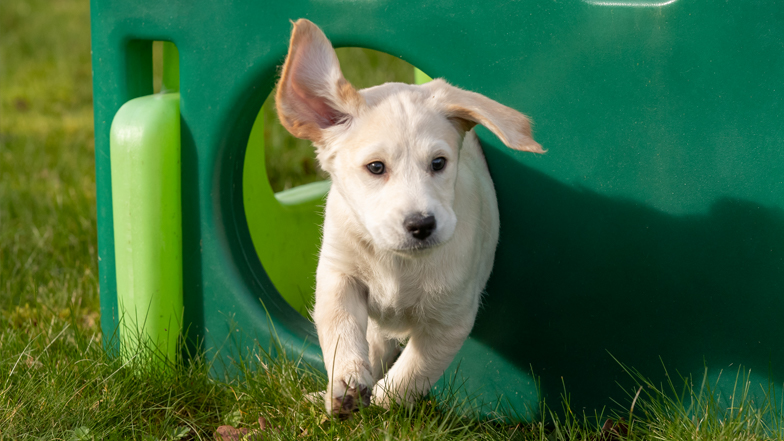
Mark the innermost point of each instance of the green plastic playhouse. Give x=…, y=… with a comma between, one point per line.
x=652, y=231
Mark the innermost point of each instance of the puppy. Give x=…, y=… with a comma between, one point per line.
x=411, y=220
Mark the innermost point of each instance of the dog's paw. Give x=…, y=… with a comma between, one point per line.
x=384, y=395
x=345, y=400
x=346, y=396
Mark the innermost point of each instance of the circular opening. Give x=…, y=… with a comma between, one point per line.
x=284, y=200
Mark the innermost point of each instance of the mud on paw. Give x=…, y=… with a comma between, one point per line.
x=349, y=401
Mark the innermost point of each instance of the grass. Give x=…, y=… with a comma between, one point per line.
x=56, y=381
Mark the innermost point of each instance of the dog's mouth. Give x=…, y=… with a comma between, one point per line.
x=417, y=248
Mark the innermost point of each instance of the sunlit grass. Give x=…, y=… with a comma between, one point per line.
x=47, y=178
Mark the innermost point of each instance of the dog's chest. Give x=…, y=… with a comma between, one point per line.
x=408, y=294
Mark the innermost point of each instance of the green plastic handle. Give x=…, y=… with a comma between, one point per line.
x=145, y=163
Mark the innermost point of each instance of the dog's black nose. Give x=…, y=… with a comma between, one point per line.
x=420, y=226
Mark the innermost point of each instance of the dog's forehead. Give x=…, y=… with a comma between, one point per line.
x=399, y=91
x=400, y=113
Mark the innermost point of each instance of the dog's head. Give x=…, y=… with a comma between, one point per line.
x=392, y=150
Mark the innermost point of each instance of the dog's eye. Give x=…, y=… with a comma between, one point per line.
x=376, y=167
x=438, y=164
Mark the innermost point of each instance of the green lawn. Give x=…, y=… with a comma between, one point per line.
x=56, y=382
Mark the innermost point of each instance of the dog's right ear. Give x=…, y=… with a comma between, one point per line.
x=466, y=109
x=313, y=95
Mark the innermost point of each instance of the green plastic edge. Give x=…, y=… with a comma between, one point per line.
x=171, y=68
x=285, y=227
x=421, y=77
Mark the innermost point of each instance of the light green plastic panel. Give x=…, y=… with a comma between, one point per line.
x=285, y=227
x=145, y=162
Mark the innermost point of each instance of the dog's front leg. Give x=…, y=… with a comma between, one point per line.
x=341, y=320
x=427, y=354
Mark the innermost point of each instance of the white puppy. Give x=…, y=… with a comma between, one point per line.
x=411, y=221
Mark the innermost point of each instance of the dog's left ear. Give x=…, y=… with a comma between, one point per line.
x=466, y=109
x=312, y=93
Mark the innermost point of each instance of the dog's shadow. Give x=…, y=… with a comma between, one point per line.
x=581, y=278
